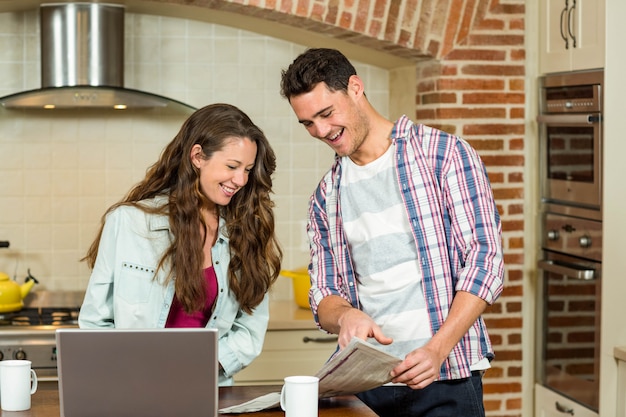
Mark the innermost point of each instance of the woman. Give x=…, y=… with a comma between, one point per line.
x=193, y=244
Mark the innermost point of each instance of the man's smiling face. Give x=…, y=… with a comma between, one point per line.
x=333, y=117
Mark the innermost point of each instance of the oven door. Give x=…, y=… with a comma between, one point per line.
x=570, y=150
x=569, y=329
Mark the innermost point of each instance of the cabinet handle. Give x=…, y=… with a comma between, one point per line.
x=563, y=408
x=563, y=34
x=307, y=339
x=569, y=23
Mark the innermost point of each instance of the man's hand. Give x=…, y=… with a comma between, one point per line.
x=419, y=368
x=355, y=323
x=337, y=316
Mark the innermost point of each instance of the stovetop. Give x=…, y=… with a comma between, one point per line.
x=30, y=333
x=45, y=308
x=45, y=316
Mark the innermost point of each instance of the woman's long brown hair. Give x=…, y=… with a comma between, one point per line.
x=255, y=252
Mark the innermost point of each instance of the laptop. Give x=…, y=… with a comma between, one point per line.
x=138, y=373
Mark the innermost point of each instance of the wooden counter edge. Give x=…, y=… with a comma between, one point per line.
x=45, y=403
x=620, y=353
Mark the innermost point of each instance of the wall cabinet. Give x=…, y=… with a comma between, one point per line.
x=550, y=404
x=571, y=35
x=288, y=352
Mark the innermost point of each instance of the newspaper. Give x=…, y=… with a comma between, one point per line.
x=263, y=402
x=358, y=367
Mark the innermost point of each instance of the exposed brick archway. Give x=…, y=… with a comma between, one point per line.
x=411, y=29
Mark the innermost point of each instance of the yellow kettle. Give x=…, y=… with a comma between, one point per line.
x=12, y=294
x=301, y=285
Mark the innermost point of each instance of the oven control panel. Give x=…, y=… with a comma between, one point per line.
x=34, y=343
x=39, y=355
x=573, y=236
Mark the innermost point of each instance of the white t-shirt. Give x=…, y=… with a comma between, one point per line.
x=384, y=253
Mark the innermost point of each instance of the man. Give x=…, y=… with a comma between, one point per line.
x=405, y=242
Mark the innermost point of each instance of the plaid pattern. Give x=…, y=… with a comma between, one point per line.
x=455, y=222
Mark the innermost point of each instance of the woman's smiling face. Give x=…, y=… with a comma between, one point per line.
x=227, y=170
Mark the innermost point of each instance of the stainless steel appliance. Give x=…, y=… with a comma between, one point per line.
x=570, y=269
x=82, y=63
x=30, y=332
x=570, y=132
x=570, y=288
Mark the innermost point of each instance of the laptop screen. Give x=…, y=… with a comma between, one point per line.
x=130, y=372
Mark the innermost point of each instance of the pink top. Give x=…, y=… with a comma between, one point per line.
x=177, y=316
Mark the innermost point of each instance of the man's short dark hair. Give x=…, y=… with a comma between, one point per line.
x=313, y=66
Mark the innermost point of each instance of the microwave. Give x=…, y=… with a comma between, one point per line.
x=570, y=137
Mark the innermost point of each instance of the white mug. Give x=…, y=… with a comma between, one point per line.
x=299, y=396
x=17, y=383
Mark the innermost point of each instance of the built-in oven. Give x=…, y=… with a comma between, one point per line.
x=570, y=133
x=570, y=267
x=569, y=293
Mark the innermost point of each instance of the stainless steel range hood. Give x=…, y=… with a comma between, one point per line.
x=82, y=62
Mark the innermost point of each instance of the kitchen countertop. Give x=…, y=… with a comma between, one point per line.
x=620, y=353
x=286, y=315
x=45, y=403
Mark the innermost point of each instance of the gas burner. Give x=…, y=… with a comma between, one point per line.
x=67, y=316
x=41, y=316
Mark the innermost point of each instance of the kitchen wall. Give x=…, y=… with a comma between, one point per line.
x=61, y=170
x=467, y=66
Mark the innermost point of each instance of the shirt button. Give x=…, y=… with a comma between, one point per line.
x=217, y=262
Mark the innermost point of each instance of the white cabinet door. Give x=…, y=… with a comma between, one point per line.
x=589, y=28
x=550, y=404
x=288, y=352
x=621, y=389
x=555, y=44
x=572, y=35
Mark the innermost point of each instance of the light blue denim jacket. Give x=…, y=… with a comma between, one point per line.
x=124, y=293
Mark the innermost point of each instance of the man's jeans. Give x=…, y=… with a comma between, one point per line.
x=454, y=398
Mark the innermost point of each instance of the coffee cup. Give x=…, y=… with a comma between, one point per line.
x=299, y=396
x=17, y=383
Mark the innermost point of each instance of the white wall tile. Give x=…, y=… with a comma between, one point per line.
x=38, y=209
x=11, y=23
x=35, y=183
x=11, y=48
x=67, y=168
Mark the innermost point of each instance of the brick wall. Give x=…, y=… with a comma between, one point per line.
x=470, y=81
x=476, y=90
